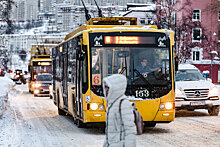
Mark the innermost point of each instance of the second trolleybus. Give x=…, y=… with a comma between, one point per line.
x=106, y=46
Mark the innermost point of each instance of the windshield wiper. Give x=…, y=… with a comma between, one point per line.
x=143, y=79
x=122, y=70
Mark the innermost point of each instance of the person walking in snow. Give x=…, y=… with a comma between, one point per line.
x=120, y=127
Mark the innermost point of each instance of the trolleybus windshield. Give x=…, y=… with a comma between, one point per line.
x=145, y=68
x=41, y=68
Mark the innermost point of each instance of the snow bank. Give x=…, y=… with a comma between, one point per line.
x=6, y=84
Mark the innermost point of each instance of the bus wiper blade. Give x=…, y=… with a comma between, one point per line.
x=142, y=78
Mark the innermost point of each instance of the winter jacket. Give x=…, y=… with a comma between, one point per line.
x=120, y=130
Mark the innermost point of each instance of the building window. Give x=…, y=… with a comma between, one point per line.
x=219, y=35
x=219, y=15
x=196, y=15
x=196, y=54
x=196, y=35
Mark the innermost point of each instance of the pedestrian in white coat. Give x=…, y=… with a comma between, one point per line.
x=120, y=128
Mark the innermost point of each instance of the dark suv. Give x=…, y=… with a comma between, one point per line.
x=42, y=84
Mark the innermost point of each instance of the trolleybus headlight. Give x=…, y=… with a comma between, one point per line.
x=36, y=91
x=168, y=105
x=161, y=106
x=94, y=106
x=37, y=85
x=101, y=107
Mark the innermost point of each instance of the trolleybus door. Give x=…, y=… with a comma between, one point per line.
x=79, y=88
x=64, y=81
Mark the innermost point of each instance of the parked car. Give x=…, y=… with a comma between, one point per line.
x=18, y=77
x=42, y=84
x=193, y=91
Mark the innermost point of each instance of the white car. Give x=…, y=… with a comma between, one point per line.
x=193, y=91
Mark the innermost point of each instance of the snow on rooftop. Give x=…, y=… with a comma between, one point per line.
x=206, y=62
x=214, y=52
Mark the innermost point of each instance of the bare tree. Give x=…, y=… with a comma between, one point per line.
x=167, y=17
x=212, y=44
x=6, y=6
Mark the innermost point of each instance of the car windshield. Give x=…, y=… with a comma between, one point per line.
x=44, y=78
x=189, y=75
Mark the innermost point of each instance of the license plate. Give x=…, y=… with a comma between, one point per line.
x=197, y=103
x=45, y=90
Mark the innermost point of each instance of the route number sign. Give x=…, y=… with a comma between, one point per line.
x=96, y=79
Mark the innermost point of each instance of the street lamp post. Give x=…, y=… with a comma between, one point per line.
x=211, y=55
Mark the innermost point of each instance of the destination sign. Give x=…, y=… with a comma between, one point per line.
x=41, y=63
x=129, y=40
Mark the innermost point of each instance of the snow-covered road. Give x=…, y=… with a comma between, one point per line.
x=34, y=121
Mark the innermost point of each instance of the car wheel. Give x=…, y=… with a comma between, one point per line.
x=213, y=111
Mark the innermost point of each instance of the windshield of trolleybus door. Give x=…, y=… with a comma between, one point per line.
x=144, y=67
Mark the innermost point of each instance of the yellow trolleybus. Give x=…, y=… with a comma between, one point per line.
x=41, y=62
x=106, y=46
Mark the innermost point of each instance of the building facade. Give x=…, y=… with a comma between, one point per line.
x=202, y=38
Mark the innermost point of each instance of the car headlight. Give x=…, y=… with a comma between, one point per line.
x=213, y=91
x=37, y=85
x=179, y=92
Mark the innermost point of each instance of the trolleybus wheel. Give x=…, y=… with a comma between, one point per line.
x=74, y=120
x=80, y=124
x=60, y=112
